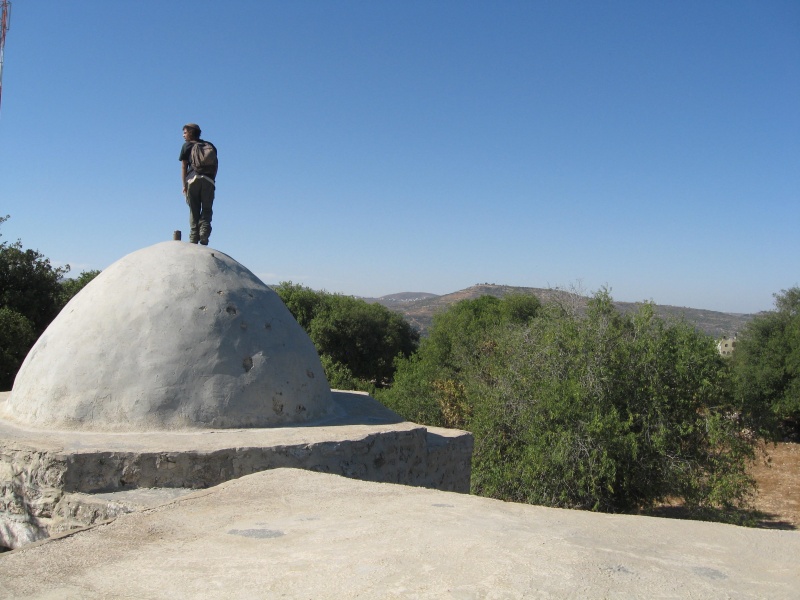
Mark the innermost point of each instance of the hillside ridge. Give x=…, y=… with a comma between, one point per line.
x=420, y=307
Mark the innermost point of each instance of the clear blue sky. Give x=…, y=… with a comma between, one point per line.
x=374, y=147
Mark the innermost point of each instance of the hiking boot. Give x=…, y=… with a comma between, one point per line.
x=204, y=241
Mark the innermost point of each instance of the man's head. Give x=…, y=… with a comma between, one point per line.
x=191, y=131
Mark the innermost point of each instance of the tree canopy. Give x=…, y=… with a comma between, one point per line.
x=32, y=292
x=29, y=284
x=599, y=410
x=16, y=338
x=766, y=364
x=428, y=385
x=357, y=341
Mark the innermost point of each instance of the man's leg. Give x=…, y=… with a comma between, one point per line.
x=194, y=202
x=206, y=212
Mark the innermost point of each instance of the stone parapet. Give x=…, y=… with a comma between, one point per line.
x=50, y=480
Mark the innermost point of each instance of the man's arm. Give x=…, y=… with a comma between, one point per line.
x=184, y=167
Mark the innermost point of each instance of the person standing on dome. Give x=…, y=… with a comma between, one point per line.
x=198, y=174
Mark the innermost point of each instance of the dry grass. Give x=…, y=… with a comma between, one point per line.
x=777, y=472
x=777, y=502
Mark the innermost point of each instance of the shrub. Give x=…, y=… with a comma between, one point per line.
x=597, y=411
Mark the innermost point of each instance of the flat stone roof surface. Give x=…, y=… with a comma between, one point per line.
x=298, y=534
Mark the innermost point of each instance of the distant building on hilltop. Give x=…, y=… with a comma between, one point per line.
x=726, y=345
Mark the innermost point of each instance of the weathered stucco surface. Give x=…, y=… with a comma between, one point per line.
x=173, y=336
x=45, y=475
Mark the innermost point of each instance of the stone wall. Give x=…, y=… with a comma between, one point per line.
x=49, y=482
x=31, y=484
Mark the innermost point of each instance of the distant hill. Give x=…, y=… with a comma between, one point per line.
x=419, y=307
x=393, y=300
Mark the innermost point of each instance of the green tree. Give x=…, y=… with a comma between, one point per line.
x=600, y=410
x=357, y=341
x=29, y=284
x=304, y=303
x=16, y=338
x=32, y=292
x=766, y=364
x=429, y=385
x=364, y=337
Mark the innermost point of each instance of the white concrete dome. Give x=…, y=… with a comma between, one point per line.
x=174, y=336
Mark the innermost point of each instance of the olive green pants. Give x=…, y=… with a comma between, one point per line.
x=200, y=198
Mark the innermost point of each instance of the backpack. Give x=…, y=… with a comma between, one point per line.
x=204, y=158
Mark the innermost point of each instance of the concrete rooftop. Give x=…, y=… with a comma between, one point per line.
x=289, y=533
